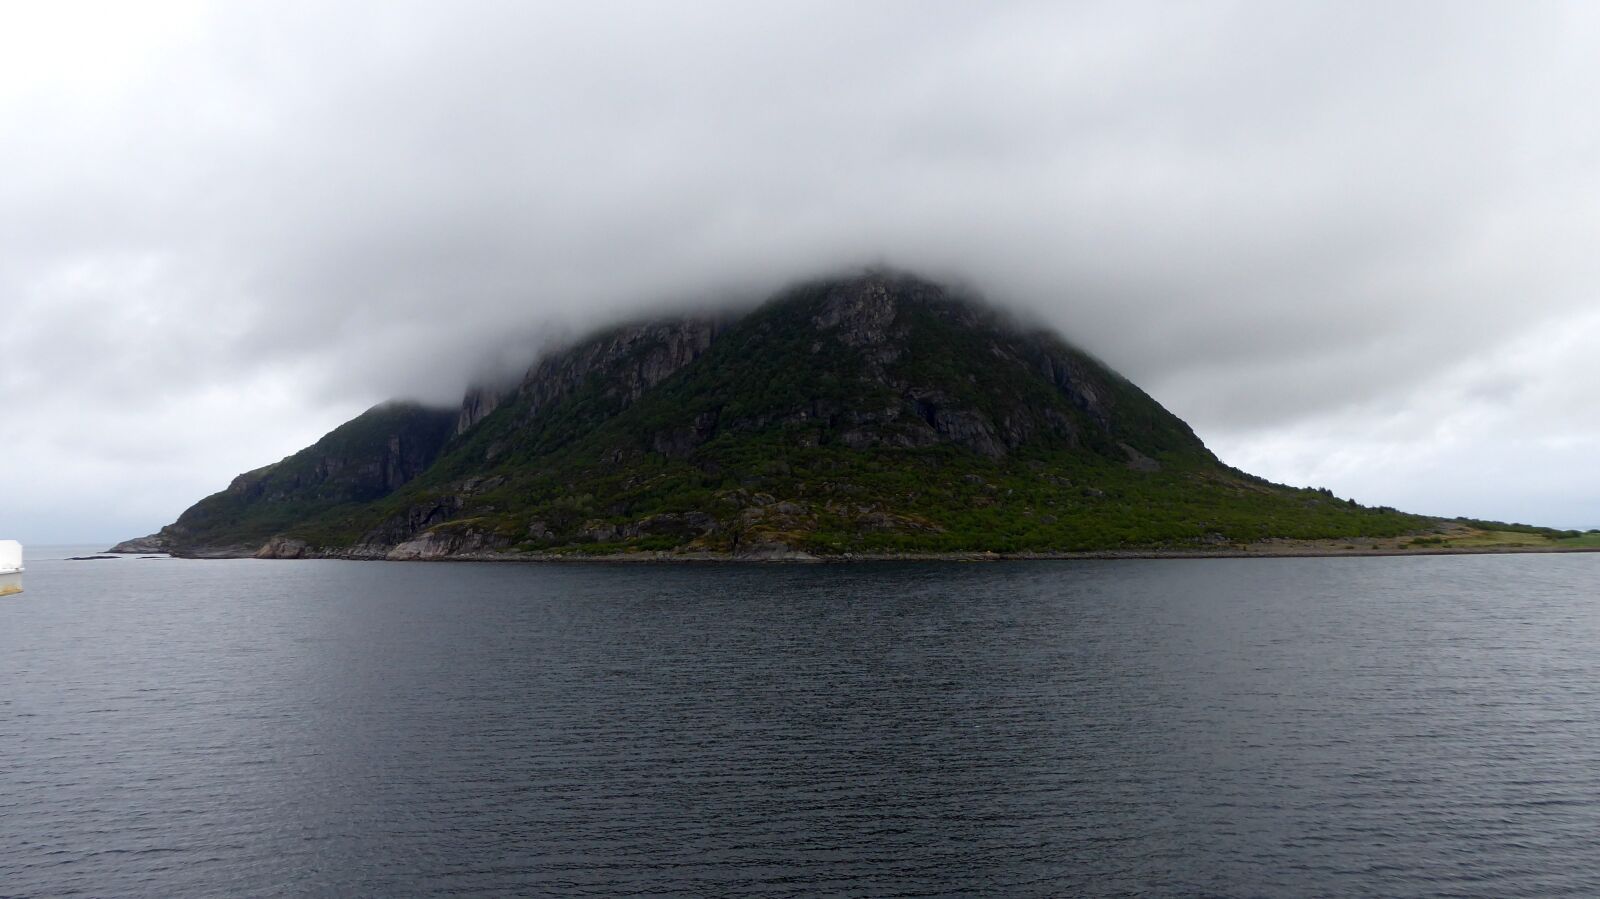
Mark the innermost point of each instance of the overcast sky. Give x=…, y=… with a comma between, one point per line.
x=1353, y=244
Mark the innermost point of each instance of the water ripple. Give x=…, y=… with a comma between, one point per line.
x=1309, y=727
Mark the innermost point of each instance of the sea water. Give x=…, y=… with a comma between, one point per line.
x=1397, y=726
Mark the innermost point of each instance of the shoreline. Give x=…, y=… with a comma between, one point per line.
x=806, y=558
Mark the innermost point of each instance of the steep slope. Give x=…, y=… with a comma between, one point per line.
x=365, y=459
x=872, y=414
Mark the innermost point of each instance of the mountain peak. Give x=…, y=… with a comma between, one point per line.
x=865, y=413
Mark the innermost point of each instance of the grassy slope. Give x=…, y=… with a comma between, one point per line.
x=584, y=464
x=1475, y=534
x=286, y=494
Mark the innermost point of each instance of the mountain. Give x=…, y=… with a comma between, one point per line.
x=865, y=415
x=360, y=461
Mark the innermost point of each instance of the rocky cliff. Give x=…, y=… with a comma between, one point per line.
x=868, y=414
x=362, y=460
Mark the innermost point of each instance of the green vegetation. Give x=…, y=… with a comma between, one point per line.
x=1488, y=535
x=784, y=434
x=876, y=415
x=1496, y=538
x=1474, y=533
x=362, y=460
x=939, y=499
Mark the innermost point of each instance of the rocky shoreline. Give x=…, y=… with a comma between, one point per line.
x=277, y=550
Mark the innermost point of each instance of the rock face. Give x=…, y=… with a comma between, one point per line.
x=155, y=543
x=631, y=359
x=361, y=461
x=446, y=545
x=870, y=413
x=283, y=548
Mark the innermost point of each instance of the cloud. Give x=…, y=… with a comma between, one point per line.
x=1507, y=430
x=233, y=227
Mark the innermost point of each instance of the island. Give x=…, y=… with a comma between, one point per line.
x=873, y=416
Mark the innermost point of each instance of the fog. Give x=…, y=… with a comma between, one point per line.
x=1351, y=244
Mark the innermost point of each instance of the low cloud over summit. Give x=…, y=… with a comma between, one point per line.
x=1351, y=244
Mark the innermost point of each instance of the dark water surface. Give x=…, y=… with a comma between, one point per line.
x=1402, y=726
